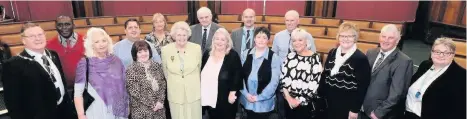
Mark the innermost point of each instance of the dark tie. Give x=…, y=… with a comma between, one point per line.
x=248, y=41
x=51, y=74
x=380, y=60
x=203, y=45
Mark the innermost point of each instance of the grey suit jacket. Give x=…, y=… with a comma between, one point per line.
x=237, y=37
x=197, y=34
x=389, y=84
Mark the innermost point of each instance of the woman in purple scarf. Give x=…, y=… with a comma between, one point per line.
x=106, y=80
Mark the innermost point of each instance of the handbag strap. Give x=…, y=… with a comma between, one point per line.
x=87, y=74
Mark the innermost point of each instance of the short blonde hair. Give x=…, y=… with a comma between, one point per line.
x=391, y=28
x=204, y=10
x=180, y=25
x=448, y=42
x=299, y=33
x=26, y=26
x=348, y=26
x=88, y=41
x=225, y=33
x=159, y=16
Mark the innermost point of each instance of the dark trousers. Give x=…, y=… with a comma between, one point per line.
x=219, y=112
x=410, y=115
x=254, y=115
x=280, y=105
x=299, y=112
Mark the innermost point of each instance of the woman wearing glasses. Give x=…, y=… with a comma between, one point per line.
x=346, y=76
x=437, y=90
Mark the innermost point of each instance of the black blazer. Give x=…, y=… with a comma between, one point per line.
x=29, y=91
x=445, y=97
x=230, y=76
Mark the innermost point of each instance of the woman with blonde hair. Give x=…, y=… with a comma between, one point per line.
x=300, y=76
x=220, y=77
x=159, y=35
x=103, y=74
x=181, y=63
x=346, y=75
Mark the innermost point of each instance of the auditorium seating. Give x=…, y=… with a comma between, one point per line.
x=228, y=18
x=460, y=48
x=101, y=21
x=360, y=24
x=327, y=22
x=10, y=28
x=230, y=26
x=460, y=61
x=306, y=20
x=323, y=29
x=175, y=18
x=15, y=50
x=80, y=22
x=47, y=25
x=274, y=19
x=50, y=34
x=122, y=19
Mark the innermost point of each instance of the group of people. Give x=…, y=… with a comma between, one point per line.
x=197, y=70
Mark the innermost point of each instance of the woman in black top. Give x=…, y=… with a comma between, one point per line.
x=346, y=76
x=437, y=89
x=300, y=76
x=221, y=77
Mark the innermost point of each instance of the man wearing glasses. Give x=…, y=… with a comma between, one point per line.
x=34, y=82
x=390, y=78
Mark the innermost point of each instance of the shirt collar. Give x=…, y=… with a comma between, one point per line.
x=388, y=52
x=265, y=54
x=72, y=38
x=208, y=28
x=245, y=29
x=34, y=54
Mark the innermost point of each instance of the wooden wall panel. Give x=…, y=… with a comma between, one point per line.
x=463, y=19
x=434, y=11
x=318, y=6
x=452, y=11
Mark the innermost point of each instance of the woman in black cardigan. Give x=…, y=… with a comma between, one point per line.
x=221, y=77
x=437, y=90
x=346, y=76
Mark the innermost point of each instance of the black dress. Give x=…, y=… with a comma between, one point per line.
x=300, y=77
x=346, y=90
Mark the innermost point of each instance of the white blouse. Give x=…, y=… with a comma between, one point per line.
x=414, y=104
x=209, y=82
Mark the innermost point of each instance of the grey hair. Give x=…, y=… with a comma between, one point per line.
x=225, y=33
x=448, y=42
x=204, y=10
x=299, y=33
x=292, y=13
x=180, y=25
x=391, y=28
x=88, y=41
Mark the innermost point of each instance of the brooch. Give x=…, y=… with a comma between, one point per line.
x=172, y=58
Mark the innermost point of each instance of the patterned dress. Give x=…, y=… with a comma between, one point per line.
x=146, y=87
x=300, y=77
x=151, y=37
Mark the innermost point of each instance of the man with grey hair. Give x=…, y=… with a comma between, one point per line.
x=202, y=33
x=390, y=78
x=243, y=37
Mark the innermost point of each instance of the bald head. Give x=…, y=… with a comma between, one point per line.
x=204, y=16
x=248, y=18
x=291, y=20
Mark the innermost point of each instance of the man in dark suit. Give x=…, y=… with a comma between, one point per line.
x=202, y=33
x=34, y=82
x=390, y=78
x=243, y=37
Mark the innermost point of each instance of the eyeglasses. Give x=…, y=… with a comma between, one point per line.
x=443, y=53
x=41, y=35
x=346, y=36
